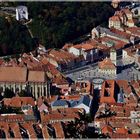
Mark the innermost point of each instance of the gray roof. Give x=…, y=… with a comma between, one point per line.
x=73, y=103
x=83, y=100
x=59, y=103
x=107, y=31
x=29, y=117
x=21, y=7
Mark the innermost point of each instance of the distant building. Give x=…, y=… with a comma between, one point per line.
x=61, y=59
x=84, y=102
x=113, y=56
x=83, y=87
x=121, y=19
x=115, y=22
x=21, y=13
x=115, y=3
x=114, y=33
x=89, y=51
x=135, y=116
x=115, y=91
x=107, y=92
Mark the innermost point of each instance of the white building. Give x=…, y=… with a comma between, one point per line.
x=88, y=51
x=21, y=13
x=113, y=56
x=84, y=103
x=135, y=116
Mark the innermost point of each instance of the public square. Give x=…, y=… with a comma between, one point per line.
x=91, y=71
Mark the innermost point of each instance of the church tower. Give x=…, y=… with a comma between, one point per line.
x=113, y=56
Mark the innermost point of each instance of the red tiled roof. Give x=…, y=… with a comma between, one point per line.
x=60, y=115
x=109, y=87
x=97, y=45
x=106, y=64
x=67, y=46
x=29, y=126
x=114, y=135
x=61, y=55
x=115, y=18
x=45, y=132
x=71, y=97
x=117, y=44
x=84, y=46
x=122, y=130
x=59, y=80
x=18, y=101
x=12, y=118
x=107, y=129
x=122, y=33
x=36, y=76
x=13, y=74
x=58, y=130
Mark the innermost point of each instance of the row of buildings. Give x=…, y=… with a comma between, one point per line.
x=42, y=69
x=117, y=115
x=58, y=107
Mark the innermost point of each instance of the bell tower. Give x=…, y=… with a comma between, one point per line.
x=113, y=56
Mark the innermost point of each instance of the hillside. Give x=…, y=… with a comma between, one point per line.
x=56, y=23
x=14, y=37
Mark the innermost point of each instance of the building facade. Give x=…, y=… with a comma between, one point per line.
x=17, y=79
x=113, y=56
x=107, y=67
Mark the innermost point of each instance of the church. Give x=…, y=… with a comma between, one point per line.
x=17, y=79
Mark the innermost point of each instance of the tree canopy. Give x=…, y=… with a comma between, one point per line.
x=56, y=23
x=14, y=37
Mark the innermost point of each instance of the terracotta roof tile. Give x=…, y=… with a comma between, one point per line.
x=107, y=129
x=18, y=101
x=45, y=132
x=7, y=74
x=59, y=80
x=106, y=64
x=85, y=46
x=58, y=130
x=121, y=33
x=117, y=44
x=122, y=130
x=115, y=18
x=36, y=76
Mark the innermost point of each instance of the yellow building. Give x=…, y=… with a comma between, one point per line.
x=107, y=67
